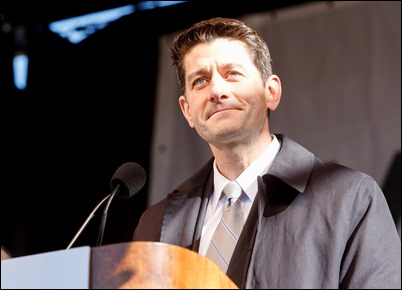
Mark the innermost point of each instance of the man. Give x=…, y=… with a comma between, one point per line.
x=308, y=223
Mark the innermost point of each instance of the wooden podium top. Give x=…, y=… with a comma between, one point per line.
x=151, y=265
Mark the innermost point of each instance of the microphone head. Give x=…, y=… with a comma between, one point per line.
x=131, y=177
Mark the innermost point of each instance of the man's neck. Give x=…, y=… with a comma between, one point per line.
x=231, y=161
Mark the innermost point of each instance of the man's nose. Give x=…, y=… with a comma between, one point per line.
x=218, y=88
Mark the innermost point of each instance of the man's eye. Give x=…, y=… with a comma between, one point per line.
x=233, y=74
x=198, y=82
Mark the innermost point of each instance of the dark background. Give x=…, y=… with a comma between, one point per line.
x=87, y=109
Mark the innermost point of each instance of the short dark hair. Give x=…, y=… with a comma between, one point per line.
x=209, y=30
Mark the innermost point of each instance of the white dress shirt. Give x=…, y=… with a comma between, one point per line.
x=248, y=182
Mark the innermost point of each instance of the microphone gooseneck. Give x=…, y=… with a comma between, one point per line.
x=91, y=215
x=128, y=179
x=104, y=216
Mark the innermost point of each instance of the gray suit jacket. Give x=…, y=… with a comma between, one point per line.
x=313, y=224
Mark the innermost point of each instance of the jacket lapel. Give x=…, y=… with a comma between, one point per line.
x=186, y=208
x=286, y=178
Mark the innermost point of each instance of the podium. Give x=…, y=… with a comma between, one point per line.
x=141, y=265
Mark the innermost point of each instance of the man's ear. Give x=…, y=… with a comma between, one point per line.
x=185, y=108
x=274, y=88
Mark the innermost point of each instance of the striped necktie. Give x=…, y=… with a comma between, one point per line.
x=228, y=231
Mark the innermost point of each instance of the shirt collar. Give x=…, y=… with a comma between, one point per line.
x=248, y=178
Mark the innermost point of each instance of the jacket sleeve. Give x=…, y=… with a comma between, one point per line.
x=372, y=256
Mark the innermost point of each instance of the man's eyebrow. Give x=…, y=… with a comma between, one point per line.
x=200, y=71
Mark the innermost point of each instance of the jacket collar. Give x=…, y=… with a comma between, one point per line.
x=293, y=164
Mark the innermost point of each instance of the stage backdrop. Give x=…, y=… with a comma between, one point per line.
x=340, y=67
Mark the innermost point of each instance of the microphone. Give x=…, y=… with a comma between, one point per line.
x=128, y=179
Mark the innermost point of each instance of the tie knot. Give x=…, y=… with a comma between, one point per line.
x=232, y=190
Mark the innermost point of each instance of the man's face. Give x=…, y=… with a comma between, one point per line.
x=226, y=100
